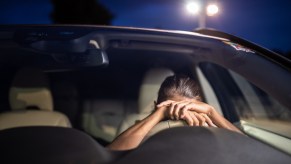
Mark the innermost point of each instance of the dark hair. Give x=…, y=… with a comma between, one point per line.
x=180, y=85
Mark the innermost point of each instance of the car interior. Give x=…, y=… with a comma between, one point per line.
x=31, y=102
x=75, y=103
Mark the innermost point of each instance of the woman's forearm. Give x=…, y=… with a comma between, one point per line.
x=133, y=136
x=220, y=121
x=199, y=107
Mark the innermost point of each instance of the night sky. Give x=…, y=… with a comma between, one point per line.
x=265, y=22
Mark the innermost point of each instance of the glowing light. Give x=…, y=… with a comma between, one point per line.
x=212, y=10
x=193, y=7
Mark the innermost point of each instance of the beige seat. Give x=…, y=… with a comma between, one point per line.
x=147, y=95
x=101, y=118
x=31, y=102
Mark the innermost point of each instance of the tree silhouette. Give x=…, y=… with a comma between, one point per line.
x=80, y=12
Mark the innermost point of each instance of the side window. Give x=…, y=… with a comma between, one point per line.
x=232, y=103
x=270, y=121
x=240, y=100
x=207, y=90
x=262, y=105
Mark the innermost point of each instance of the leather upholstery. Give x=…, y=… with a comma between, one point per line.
x=31, y=102
x=32, y=118
x=148, y=92
x=30, y=89
x=147, y=95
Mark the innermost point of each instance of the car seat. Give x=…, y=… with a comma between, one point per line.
x=147, y=95
x=101, y=118
x=31, y=102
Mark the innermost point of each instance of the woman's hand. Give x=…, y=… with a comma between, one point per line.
x=196, y=119
x=190, y=104
x=197, y=108
x=180, y=111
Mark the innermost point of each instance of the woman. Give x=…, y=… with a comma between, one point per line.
x=179, y=98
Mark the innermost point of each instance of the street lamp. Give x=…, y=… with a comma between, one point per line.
x=193, y=7
x=212, y=10
x=202, y=7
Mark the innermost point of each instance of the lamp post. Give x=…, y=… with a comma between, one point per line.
x=203, y=8
x=202, y=15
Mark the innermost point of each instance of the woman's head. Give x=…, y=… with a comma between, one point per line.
x=178, y=87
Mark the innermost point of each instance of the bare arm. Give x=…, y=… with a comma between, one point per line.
x=217, y=119
x=202, y=108
x=133, y=136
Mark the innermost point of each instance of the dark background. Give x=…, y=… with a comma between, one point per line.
x=265, y=22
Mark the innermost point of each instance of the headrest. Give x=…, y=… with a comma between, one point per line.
x=30, y=89
x=149, y=89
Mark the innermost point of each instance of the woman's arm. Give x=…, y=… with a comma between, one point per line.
x=133, y=136
x=199, y=107
x=217, y=119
